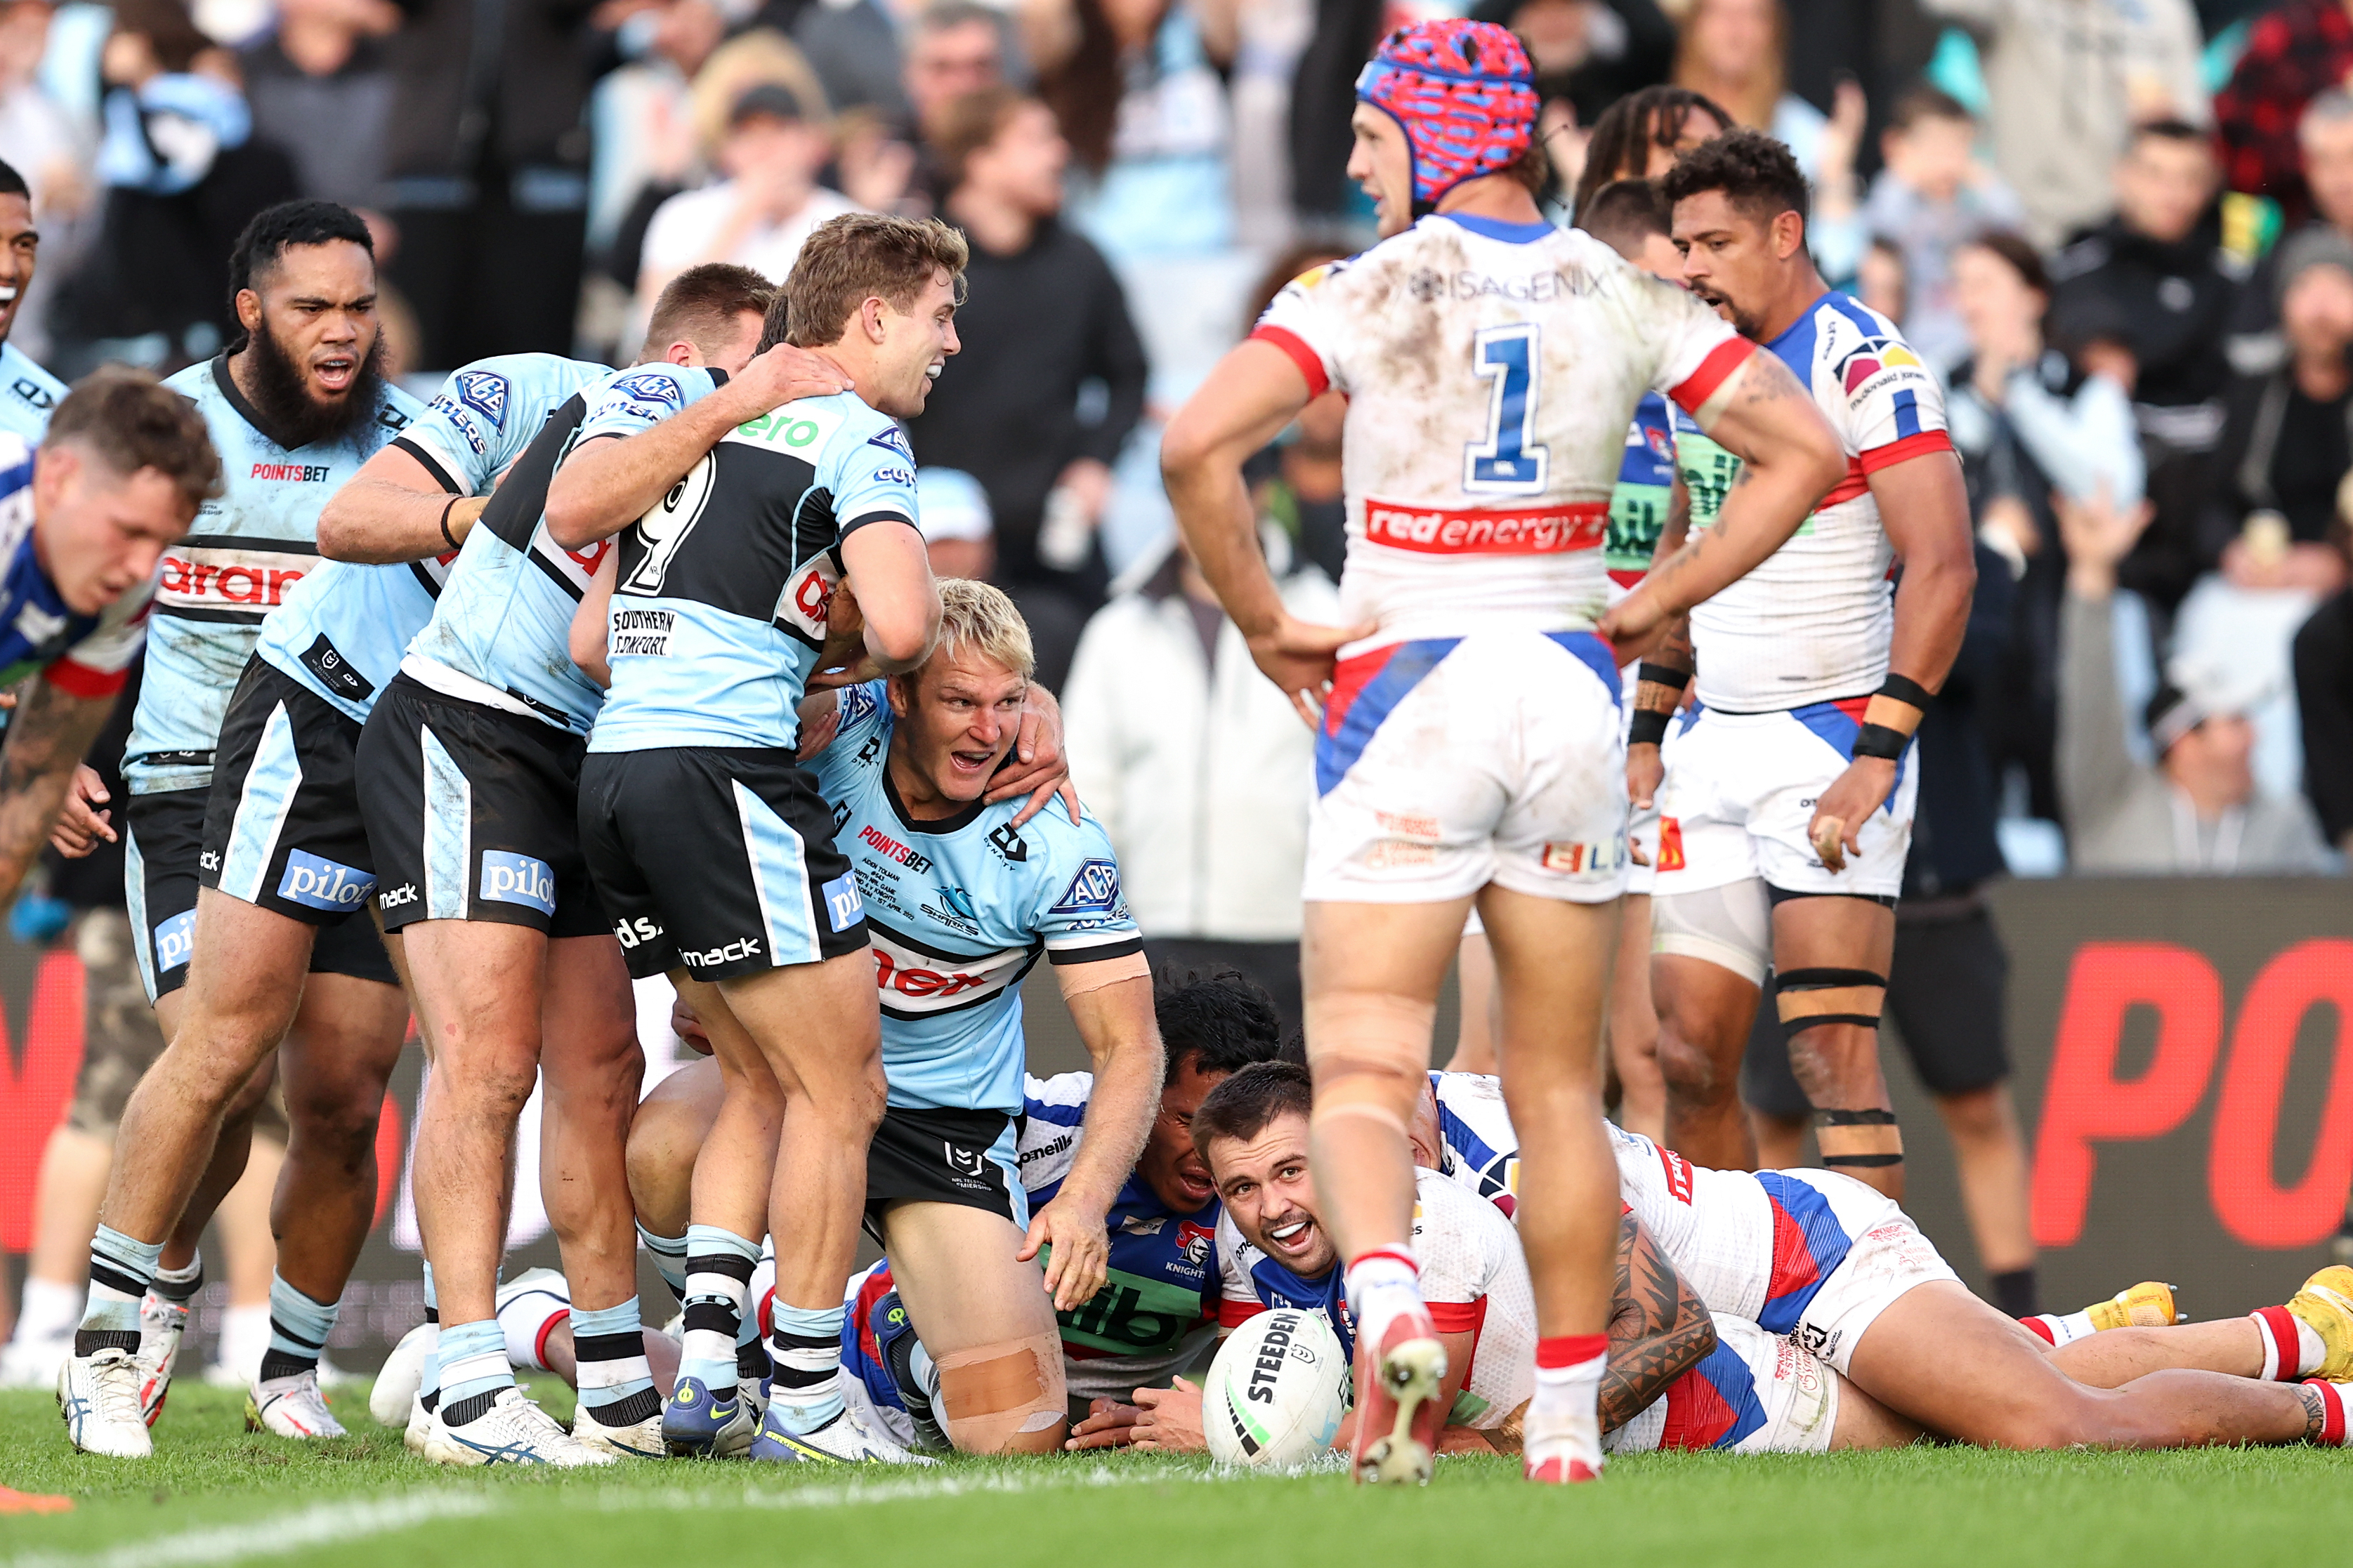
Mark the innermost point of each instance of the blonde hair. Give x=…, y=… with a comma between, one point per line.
x=977, y=618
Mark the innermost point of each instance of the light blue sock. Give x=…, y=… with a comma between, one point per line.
x=121, y=1269
x=473, y=1368
x=609, y=1348
x=298, y=1328
x=805, y=1347
x=719, y=1265
x=670, y=1259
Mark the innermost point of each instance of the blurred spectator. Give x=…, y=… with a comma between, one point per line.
x=1323, y=98
x=182, y=175
x=853, y=46
x=2149, y=295
x=1735, y=52
x=1641, y=136
x=1932, y=195
x=487, y=172
x=762, y=212
x=884, y=154
x=2066, y=81
x=2288, y=442
x=1589, y=52
x=1264, y=39
x=645, y=148
x=1043, y=316
x=2293, y=54
x=1141, y=100
x=2029, y=421
x=2324, y=137
x=958, y=535
x=1295, y=483
x=28, y=393
x=2197, y=809
x=37, y=135
x=319, y=88
x=1880, y=281
x=1198, y=767
x=2324, y=697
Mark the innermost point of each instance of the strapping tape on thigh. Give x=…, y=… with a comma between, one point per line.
x=1369, y=1055
x=1808, y=998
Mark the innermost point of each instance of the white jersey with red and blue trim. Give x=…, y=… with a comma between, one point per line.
x=1812, y=621
x=81, y=655
x=1492, y=370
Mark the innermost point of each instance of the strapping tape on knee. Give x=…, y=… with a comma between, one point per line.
x=1006, y=1397
x=1807, y=998
x=1851, y=1127
x=1369, y=1055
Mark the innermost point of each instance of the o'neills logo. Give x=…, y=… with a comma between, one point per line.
x=1437, y=530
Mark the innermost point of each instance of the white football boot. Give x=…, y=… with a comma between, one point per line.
x=163, y=1322
x=421, y=1423
x=512, y=1431
x=636, y=1440
x=401, y=1374
x=292, y=1408
x=98, y=1397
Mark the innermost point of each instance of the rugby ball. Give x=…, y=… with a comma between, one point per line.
x=1276, y=1391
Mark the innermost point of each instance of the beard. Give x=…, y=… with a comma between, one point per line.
x=282, y=392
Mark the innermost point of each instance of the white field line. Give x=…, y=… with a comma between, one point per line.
x=333, y=1523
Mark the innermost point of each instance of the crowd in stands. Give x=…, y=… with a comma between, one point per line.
x=2123, y=233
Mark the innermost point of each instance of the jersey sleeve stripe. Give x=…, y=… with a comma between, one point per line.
x=1119, y=947
x=1696, y=388
x=1310, y=363
x=77, y=680
x=1918, y=445
x=433, y=466
x=863, y=518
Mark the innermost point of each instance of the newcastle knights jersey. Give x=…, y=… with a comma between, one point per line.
x=84, y=656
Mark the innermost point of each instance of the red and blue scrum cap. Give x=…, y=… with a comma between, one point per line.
x=1463, y=94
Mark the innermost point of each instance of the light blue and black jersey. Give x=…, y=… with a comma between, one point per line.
x=343, y=631
x=500, y=632
x=718, y=609
x=243, y=557
x=959, y=910
x=28, y=395
x=85, y=656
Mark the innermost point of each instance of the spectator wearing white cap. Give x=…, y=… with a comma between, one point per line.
x=1198, y=767
x=959, y=534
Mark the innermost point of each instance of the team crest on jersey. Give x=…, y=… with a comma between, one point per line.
x=651, y=386
x=1094, y=890
x=1194, y=1242
x=33, y=393
x=1007, y=840
x=1872, y=356
x=853, y=703
x=486, y=394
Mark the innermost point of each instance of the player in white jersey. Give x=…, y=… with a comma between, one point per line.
x=1786, y=817
x=1468, y=737
x=29, y=395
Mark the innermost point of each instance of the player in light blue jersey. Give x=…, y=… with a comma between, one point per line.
x=709, y=847
x=962, y=899
x=29, y=395
x=469, y=764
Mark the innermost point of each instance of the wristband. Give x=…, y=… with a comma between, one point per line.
x=1649, y=727
x=1650, y=674
x=1904, y=688
x=445, y=511
x=1879, y=741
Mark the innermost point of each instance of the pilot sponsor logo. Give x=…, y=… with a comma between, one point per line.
x=630, y=933
x=523, y=879
x=176, y=938
x=741, y=948
x=323, y=884
x=1444, y=530
x=891, y=849
x=294, y=473
x=843, y=907
x=1094, y=890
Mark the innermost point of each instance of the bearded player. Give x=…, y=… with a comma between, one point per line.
x=1469, y=731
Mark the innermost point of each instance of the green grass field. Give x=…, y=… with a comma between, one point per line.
x=215, y=1495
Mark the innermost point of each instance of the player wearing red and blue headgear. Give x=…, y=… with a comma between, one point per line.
x=1462, y=94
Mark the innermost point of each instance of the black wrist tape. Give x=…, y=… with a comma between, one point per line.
x=1649, y=727
x=1879, y=741
x=1673, y=679
x=1904, y=688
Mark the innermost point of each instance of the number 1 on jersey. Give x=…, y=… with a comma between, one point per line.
x=1505, y=463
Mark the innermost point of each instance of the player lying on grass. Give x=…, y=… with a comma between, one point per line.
x=961, y=902
x=1846, y=1274
x=1157, y=1305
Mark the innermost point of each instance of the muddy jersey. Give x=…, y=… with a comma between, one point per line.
x=83, y=656
x=1473, y=1275
x=1812, y=623
x=245, y=555
x=1159, y=1303
x=1482, y=1153
x=1491, y=371
x=1638, y=503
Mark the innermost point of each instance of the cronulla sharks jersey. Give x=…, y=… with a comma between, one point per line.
x=242, y=559
x=719, y=608
x=85, y=656
x=345, y=631
x=29, y=395
x=1159, y=1306
x=959, y=910
x=500, y=632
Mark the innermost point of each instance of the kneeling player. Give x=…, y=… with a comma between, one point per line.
x=961, y=902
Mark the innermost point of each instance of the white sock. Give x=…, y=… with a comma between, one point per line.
x=1383, y=1284
x=50, y=1310
x=1564, y=1420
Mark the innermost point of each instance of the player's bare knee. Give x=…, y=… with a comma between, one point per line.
x=1007, y=1397
x=1692, y=1072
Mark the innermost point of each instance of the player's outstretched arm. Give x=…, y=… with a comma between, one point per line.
x=585, y=641
x=1659, y=1327
x=1253, y=392
x=47, y=735
x=891, y=575
x=1789, y=457
x=393, y=510
x=1110, y=1001
x=611, y=481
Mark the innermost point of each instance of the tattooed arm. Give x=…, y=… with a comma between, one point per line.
x=1659, y=1329
x=48, y=735
x=1645, y=770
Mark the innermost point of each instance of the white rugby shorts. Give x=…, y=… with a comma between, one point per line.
x=1885, y=1257
x=1446, y=763
x=1755, y=1393
x=1739, y=797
